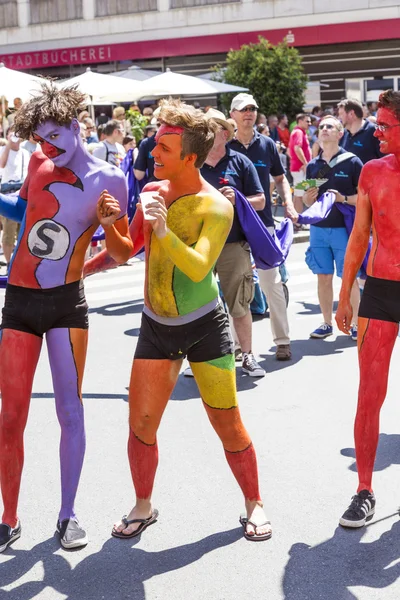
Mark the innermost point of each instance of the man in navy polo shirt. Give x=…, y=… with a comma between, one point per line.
x=328, y=238
x=227, y=170
x=359, y=133
x=144, y=162
x=263, y=153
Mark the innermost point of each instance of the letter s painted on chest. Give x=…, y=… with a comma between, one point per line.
x=48, y=239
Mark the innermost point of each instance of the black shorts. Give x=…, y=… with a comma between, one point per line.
x=206, y=338
x=380, y=300
x=37, y=311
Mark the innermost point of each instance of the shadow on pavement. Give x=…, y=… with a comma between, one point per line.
x=120, y=309
x=307, y=347
x=117, y=572
x=123, y=397
x=313, y=309
x=388, y=452
x=327, y=570
x=186, y=387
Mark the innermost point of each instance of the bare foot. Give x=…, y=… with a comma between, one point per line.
x=142, y=510
x=256, y=514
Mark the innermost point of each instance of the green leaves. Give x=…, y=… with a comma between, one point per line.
x=273, y=74
x=138, y=123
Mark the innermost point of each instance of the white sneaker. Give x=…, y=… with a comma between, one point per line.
x=188, y=372
x=251, y=367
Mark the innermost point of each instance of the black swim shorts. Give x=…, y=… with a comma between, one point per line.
x=38, y=310
x=204, y=339
x=380, y=300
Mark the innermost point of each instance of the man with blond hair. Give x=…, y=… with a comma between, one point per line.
x=183, y=230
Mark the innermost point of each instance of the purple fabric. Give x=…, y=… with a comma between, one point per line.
x=321, y=209
x=268, y=251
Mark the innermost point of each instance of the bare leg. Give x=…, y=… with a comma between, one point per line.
x=152, y=382
x=375, y=345
x=67, y=355
x=243, y=327
x=19, y=353
x=325, y=296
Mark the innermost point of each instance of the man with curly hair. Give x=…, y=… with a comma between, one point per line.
x=379, y=313
x=183, y=229
x=65, y=196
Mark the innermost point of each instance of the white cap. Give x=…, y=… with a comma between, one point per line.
x=242, y=100
x=220, y=118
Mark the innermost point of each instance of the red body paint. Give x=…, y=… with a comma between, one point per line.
x=244, y=468
x=143, y=460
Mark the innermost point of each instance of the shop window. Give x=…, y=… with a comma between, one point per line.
x=8, y=13
x=191, y=3
x=374, y=87
x=106, y=8
x=50, y=11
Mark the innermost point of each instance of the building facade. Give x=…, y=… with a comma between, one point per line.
x=349, y=46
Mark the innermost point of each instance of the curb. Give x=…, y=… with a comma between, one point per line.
x=301, y=237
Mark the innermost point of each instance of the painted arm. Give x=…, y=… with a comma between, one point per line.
x=104, y=261
x=355, y=253
x=12, y=207
x=195, y=262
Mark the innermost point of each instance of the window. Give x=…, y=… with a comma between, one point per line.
x=51, y=11
x=8, y=13
x=105, y=8
x=191, y=3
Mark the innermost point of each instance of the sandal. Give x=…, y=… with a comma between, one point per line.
x=144, y=523
x=244, y=521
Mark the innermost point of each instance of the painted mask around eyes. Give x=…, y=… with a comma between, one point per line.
x=58, y=142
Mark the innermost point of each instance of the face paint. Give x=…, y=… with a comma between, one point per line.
x=389, y=138
x=58, y=142
x=168, y=129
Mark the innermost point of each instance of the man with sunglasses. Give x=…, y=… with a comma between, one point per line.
x=379, y=315
x=263, y=153
x=328, y=237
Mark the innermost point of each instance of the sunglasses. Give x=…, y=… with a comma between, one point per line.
x=327, y=126
x=248, y=109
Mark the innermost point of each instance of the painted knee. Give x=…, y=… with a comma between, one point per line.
x=12, y=425
x=144, y=426
x=71, y=418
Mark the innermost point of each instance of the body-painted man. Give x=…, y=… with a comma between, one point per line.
x=59, y=207
x=379, y=314
x=183, y=316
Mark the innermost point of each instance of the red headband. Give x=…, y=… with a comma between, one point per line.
x=168, y=130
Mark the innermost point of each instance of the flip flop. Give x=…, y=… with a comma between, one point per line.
x=255, y=538
x=143, y=524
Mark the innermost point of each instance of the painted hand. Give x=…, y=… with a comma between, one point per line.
x=344, y=315
x=108, y=209
x=229, y=193
x=158, y=210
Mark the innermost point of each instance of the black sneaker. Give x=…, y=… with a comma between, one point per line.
x=71, y=534
x=361, y=510
x=8, y=535
x=250, y=366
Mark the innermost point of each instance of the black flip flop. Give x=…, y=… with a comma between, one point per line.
x=144, y=523
x=255, y=538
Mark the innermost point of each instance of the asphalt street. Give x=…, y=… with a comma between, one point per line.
x=300, y=417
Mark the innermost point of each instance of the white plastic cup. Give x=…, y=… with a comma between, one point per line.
x=145, y=199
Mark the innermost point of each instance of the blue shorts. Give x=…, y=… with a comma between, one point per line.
x=327, y=249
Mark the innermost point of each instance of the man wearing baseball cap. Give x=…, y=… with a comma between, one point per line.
x=263, y=153
x=227, y=170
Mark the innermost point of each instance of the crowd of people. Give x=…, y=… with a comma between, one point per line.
x=199, y=167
